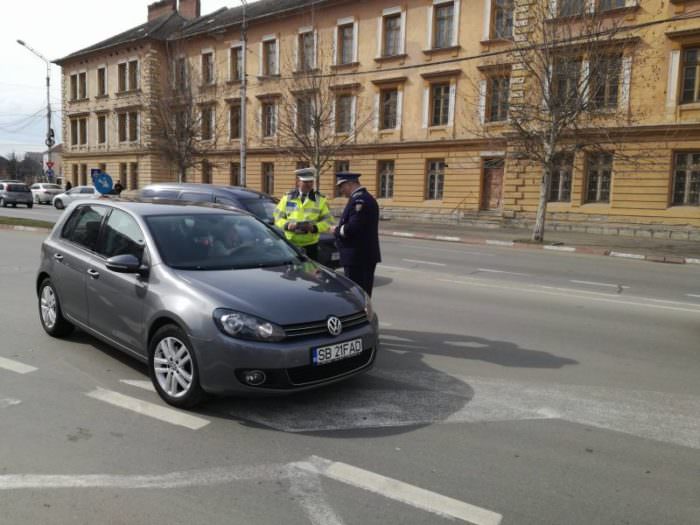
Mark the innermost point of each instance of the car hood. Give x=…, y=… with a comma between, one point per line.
x=290, y=294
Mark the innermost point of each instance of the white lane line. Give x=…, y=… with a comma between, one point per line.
x=489, y=270
x=16, y=366
x=385, y=337
x=398, y=490
x=432, y=249
x=139, y=383
x=8, y=402
x=388, y=267
x=447, y=238
x=382, y=324
x=693, y=295
x=593, y=283
x=418, y=261
x=168, y=415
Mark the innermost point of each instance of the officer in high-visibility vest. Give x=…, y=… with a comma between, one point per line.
x=303, y=213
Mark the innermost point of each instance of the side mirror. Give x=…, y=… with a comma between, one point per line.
x=125, y=263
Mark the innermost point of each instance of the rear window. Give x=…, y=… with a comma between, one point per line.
x=263, y=208
x=18, y=188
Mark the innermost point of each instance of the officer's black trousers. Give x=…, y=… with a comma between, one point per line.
x=312, y=251
x=362, y=275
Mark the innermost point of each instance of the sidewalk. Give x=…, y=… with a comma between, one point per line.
x=669, y=251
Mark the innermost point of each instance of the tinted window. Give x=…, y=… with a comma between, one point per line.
x=87, y=190
x=19, y=188
x=262, y=208
x=121, y=235
x=196, y=196
x=83, y=226
x=160, y=194
x=36, y=187
x=217, y=242
x=227, y=202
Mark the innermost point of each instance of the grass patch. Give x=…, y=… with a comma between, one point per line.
x=19, y=221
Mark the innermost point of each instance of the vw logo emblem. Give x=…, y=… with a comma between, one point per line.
x=335, y=326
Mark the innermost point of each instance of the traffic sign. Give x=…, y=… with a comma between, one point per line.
x=50, y=173
x=102, y=182
x=49, y=164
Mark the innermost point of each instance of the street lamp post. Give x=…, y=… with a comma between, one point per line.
x=50, y=141
x=244, y=82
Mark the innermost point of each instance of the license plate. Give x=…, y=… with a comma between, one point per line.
x=328, y=354
x=335, y=256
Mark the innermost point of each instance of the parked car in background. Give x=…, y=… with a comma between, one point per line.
x=62, y=200
x=44, y=192
x=14, y=193
x=212, y=300
x=259, y=204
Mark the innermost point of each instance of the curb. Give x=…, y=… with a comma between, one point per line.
x=588, y=250
x=24, y=228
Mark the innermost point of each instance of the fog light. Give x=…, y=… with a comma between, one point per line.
x=254, y=377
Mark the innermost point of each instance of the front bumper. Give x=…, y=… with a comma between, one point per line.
x=287, y=365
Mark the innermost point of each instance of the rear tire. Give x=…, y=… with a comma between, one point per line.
x=58, y=203
x=30, y=205
x=173, y=368
x=50, y=313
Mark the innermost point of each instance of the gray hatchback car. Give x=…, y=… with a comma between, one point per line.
x=214, y=301
x=14, y=193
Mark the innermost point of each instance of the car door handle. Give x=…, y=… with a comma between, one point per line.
x=58, y=257
x=93, y=273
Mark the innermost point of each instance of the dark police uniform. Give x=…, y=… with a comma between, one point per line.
x=357, y=236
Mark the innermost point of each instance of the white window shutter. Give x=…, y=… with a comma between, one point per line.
x=546, y=85
x=334, y=50
x=315, y=61
x=277, y=57
x=376, y=111
x=451, y=109
x=297, y=66
x=277, y=116
x=631, y=3
x=429, y=28
x=426, y=106
x=403, y=32
x=455, y=23
x=482, y=101
x=399, y=108
x=487, y=20
x=295, y=111
x=626, y=79
x=261, y=71
x=332, y=115
x=353, y=107
x=672, y=87
x=585, y=80
x=591, y=6
x=380, y=35
x=355, y=34
x=261, y=119
x=553, y=8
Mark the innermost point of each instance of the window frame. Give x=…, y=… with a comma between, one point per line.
x=563, y=174
x=595, y=163
x=436, y=119
x=503, y=105
x=450, y=36
x=506, y=8
x=688, y=181
x=386, y=178
x=435, y=189
x=393, y=111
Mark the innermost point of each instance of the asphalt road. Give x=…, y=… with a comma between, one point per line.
x=564, y=391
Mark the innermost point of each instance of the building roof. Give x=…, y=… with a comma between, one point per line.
x=157, y=29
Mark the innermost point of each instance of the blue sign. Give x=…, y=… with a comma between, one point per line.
x=50, y=173
x=102, y=182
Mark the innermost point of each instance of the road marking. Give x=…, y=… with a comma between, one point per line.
x=489, y=270
x=8, y=402
x=418, y=261
x=168, y=415
x=398, y=490
x=627, y=255
x=464, y=251
x=500, y=243
x=139, y=383
x=16, y=366
x=402, y=234
x=382, y=324
x=386, y=266
x=559, y=248
x=693, y=295
x=386, y=337
x=447, y=238
x=593, y=283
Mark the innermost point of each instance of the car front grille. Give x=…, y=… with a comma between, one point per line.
x=308, y=374
x=300, y=331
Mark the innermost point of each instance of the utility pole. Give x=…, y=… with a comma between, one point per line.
x=244, y=82
x=50, y=140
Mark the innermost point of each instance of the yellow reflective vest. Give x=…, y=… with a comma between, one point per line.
x=314, y=209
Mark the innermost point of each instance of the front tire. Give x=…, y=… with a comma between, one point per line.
x=58, y=203
x=173, y=368
x=50, y=313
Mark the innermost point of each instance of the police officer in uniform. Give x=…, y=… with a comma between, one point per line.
x=303, y=214
x=357, y=233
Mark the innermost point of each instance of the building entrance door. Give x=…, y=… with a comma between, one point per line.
x=492, y=194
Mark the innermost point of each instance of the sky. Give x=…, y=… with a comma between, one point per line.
x=54, y=29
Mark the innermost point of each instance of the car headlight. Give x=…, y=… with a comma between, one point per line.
x=368, y=308
x=244, y=326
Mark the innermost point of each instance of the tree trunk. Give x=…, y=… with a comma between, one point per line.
x=538, y=231
x=181, y=175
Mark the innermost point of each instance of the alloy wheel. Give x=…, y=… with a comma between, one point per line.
x=173, y=367
x=48, y=307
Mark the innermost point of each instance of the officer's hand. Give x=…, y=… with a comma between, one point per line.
x=291, y=226
x=333, y=229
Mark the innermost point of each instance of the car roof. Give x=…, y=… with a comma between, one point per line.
x=236, y=191
x=143, y=209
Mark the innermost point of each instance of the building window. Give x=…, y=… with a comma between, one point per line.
x=101, y=129
x=74, y=87
x=268, y=178
x=78, y=131
x=180, y=74
x=388, y=108
x=133, y=126
x=74, y=177
x=435, y=179
x=439, y=104
x=385, y=178
x=307, y=59
x=235, y=173
x=234, y=121
x=443, y=25
x=343, y=113
x=101, y=82
x=128, y=124
x=607, y=5
x=502, y=19
x=566, y=76
x=691, y=78
x=686, y=179
x=74, y=132
x=206, y=172
x=560, y=182
x=208, y=68
x=82, y=85
x=269, y=57
x=133, y=75
x=133, y=175
x=571, y=7
x=392, y=35
x=236, y=72
x=304, y=115
x=498, y=92
x=82, y=127
x=269, y=120
x=346, y=43
x=122, y=174
x=207, y=122
x=598, y=177
x=605, y=81
x=128, y=75
x=340, y=166
x=83, y=175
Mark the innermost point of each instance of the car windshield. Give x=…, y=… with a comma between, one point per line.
x=20, y=188
x=263, y=208
x=218, y=242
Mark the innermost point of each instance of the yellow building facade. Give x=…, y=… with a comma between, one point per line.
x=422, y=93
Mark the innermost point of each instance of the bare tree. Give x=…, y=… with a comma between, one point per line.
x=320, y=113
x=186, y=124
